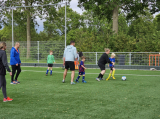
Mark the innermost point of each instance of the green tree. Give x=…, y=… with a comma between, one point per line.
x=142, y=26
x=157, y=22
x=56, y=25
x=122, y=24
x=109, y=8
x=30, y=13
x=144, y=31
x=5, y=34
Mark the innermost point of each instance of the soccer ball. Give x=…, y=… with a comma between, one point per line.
x=123, y=78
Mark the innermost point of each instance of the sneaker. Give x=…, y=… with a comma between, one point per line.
x=76, y=81
x=63, y=81
x=113, y=77
x=16, y=81
x=46, y=74
x=84, y=81
x=7, y=99
x=13, y=82
x=97, y=79
x=107, y=79
x=72, y=83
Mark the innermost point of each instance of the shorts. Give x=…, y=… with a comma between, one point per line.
x=82, y=73
x=69, y=64
x=50, y=65
x=111, y=67
x=101, y=66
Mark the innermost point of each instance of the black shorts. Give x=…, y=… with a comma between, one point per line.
x=70, y=64
x=111, y=68
x=50, y=65
x=102, y=66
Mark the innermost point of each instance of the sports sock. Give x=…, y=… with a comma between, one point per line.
x=83, y=78
x=100, y=75
x=47, y=71
x=109, y=76
x=77, y=78
x=113, y=73
x=51, y=72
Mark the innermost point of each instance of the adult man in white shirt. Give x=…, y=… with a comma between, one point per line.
x=70, y=55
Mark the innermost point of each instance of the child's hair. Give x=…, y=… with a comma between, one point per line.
x=113, y=54
x=50, y=51
x=83, y=57
x=106, y=49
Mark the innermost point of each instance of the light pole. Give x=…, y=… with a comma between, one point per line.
x=65, y=24
x=12, y=30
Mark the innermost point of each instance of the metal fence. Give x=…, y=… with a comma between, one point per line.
x=40, y=49
x=127, y=58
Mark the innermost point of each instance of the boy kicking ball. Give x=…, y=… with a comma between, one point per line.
x=112, y=69
x=81, y=70
x=50, y=60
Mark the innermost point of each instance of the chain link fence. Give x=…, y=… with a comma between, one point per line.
x=39, y=51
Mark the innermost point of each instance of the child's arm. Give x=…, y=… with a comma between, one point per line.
x=114, y=61
x=47, y=59
x=83, y=67
x=54, y=59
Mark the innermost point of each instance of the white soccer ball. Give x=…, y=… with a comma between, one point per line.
x=123, y=78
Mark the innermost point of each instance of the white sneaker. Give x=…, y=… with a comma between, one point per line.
x=72, y=83
x=97, y=79
x=63, y=81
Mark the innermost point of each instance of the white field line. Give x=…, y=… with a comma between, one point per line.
x=89, y=73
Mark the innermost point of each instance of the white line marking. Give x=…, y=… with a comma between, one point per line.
x=92, y=73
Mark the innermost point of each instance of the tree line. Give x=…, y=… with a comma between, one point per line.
x=121, y=25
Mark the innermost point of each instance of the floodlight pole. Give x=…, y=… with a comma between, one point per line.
x=65, y=23
x=12, y=30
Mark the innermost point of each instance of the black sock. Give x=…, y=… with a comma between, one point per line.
x=100, y=75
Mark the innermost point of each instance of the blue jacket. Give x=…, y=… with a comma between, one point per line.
x=14, y=57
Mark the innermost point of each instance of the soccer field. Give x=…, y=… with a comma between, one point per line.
x=39, y=96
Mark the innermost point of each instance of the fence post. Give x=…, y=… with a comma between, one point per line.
x=130, y=58
x=96, y=58
x=38, y=50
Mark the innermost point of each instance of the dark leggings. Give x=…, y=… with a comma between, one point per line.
x=14, y=68
x=3, y=85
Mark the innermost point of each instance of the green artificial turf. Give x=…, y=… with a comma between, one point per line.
x=39, y=96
